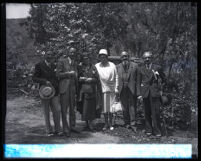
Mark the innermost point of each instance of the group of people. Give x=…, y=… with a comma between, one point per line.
x=93, y=89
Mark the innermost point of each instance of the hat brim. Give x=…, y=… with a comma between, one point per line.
x=102, y=54
x=46, y=97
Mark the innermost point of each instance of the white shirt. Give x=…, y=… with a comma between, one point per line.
x=108, y=77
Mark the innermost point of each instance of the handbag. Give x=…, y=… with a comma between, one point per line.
x=116, y=107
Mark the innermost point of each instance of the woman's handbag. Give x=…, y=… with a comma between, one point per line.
x=116, y=107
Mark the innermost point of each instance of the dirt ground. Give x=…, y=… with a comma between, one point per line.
x=24, y=124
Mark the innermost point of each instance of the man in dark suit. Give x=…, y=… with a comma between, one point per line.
x=45, y=75
x=150, y=92
x=127, y=72
x=67, y=74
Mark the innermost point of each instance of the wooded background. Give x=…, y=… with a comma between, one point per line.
x=168, y=29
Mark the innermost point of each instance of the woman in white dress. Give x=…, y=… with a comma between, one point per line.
x=109, y=82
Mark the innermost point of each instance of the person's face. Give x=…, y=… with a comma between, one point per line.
x=72, y=55
x=103, y=59
x=86, y=61
x=49, y=59
x=147, y=60
x=125, y=59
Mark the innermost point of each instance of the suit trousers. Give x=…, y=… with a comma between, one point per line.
x=54, y=105
x=129, y=103
x=68, y=110
x=152, y=114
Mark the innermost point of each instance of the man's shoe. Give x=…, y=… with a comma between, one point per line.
x=74, y=130
x=158, y=135
x=66, y=134
x=111, y=128
x=105, y=127
x=133, y=123
x=134, y=128
x=50, y=134
x=128, y=126
x=148, y=133
x=58, y=133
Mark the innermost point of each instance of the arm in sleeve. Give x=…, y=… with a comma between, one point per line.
x=37, y=75
x=116, y=79
x=59, y=71
x=138, y=81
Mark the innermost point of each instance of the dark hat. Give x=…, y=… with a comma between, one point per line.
x=46, y=92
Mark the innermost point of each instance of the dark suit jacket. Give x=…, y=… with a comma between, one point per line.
x=132, y=81
x=148, y=82
x=66, y=82
x=45, y=73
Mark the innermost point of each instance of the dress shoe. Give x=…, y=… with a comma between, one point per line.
x=74, y=130
x=128, y=126
x=105, y=127
x=66, y=134
x=158, y=135
x=133, y=123
x=148, y=133
x=50, y=134
x=58, y=133
x=134, y=129
x=111, y=128
x=86, y=128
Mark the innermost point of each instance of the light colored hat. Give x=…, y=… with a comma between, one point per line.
x=147, y=54
x=103, y=52
x=124, y=53
x=46, y=92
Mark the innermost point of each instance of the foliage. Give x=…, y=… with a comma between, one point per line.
x=169, y=30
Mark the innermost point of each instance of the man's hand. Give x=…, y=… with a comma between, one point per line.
x=82, y=78
x=72, y=73
x=140, y=98
x=48, y=83
x=117, y=97
x=88, y=79
x=161, y=93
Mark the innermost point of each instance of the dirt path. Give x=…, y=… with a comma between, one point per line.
x=25, y=124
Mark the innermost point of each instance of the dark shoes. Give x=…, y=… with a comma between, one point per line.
x=66, y=134
x=50, y=134
x=74, y=130
x=56, y=133
x=105, y=127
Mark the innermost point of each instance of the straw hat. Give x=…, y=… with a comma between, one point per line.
x=46, y=92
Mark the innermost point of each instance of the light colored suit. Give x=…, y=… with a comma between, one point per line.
x=67, y=90
x=128, y=91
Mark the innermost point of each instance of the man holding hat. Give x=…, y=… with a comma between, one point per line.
x=46, y=77
x=150, y=92
x=109, y=82
x=67, y=75
x=127, y=72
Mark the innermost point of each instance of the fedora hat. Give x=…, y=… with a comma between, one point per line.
x=46, y=91
x=166, y=99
